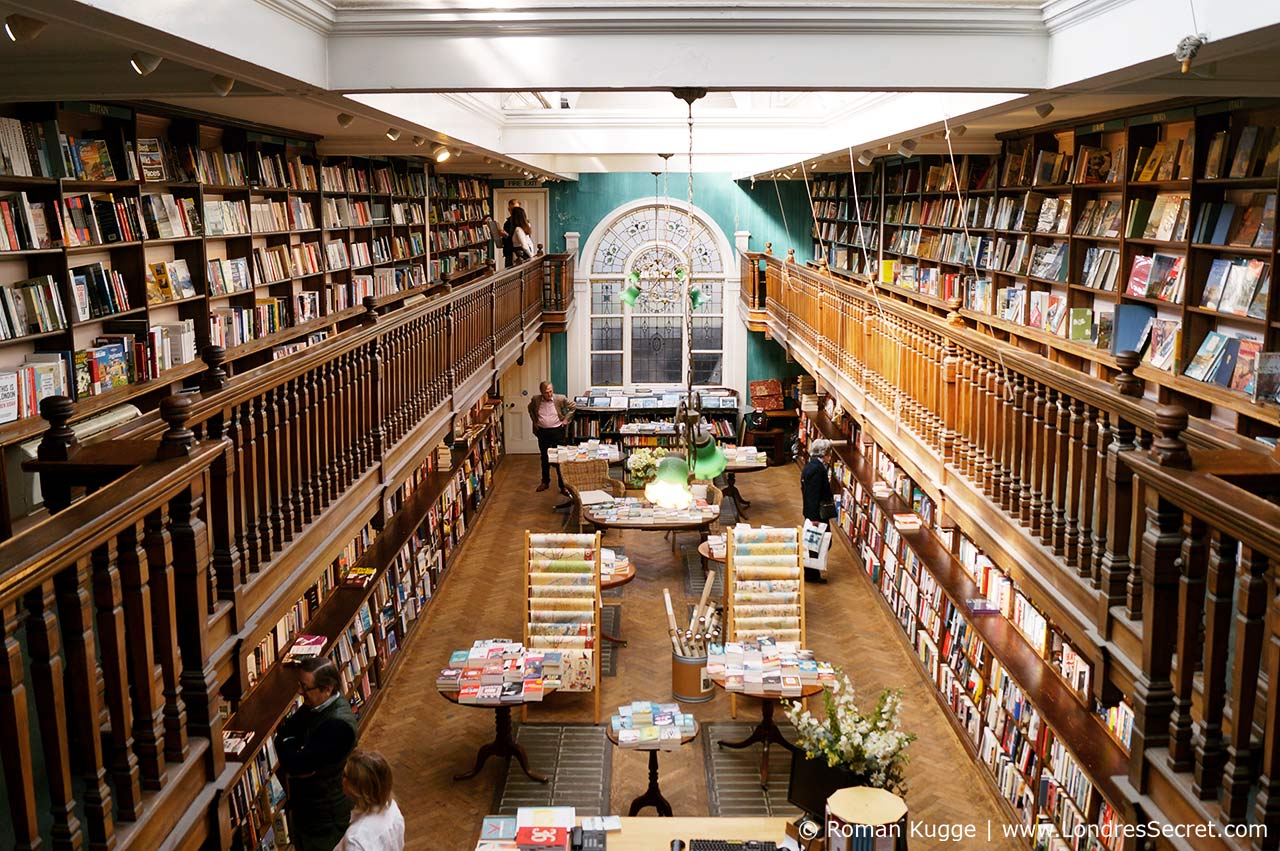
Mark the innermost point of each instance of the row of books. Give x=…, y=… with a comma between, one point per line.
x=459, y=237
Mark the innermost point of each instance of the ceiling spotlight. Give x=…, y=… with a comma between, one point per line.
x=956, y=131
x=1044, y=109
x=393, y=134
x=144, y=63
x=906, y=147
x=221, y=85
x=866, y=158
x=419, y=141
x=1187, y=50
x=440, y=153
x=345, y=119
x=21, y=28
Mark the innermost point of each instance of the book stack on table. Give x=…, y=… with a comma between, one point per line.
x=644, y=723
x=497, y=671
x=766, y=666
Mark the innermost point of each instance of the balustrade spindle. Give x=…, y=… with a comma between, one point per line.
x=15, y=737
x=164, y=631
x=986, y=480
x=1001, y=437
x=1060, y=474
x=1042, y=481
x=1118, y=505
x=1195, y=554
x=1251, y=605
x=268, y=542
x=113, y=656
x=75, y=614
x=377, y=438
x=1014, y=446
x=248, y=485
x=45, y=651
x=1030, y=431
x=148, y=709
x=1210, y=753
x=1267, y=803
x=1088, y=482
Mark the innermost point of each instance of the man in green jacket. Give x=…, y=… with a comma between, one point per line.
x=551, y=414
x=313, y=744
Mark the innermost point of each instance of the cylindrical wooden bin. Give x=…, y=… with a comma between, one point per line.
x=861, y=818
x=689, y=680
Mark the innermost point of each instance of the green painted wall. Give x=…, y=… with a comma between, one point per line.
x=767, y=359
x=581, y=205
x=559, y=343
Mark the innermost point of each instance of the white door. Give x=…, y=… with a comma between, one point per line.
x=534, y=202
x=519, y=384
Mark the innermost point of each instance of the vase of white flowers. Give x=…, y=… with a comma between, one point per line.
x=642, y=465
x=846, y=744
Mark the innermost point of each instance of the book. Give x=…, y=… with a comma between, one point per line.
x=1215, y=283
x=1131, y=324
x=1081, y=324
x=360, y=576
x=235, y=741
x=1139, y=275
x=304, y=647
x=1226, y=365
x=1266, y=381
x=1242, y=281
x=1267, y=226
x=1215, y=155
x=1205, y=361
x=1246, y=150
x=1246, y=369
x=1104, y=324
x=1166, y=334
x=1165, y=278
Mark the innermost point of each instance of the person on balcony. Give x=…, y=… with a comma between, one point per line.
x=313, y=744
x=551, y=414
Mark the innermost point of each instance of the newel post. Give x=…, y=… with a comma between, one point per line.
x=1159, y=557
x=59, y=443
x=214, y=378
x=178, y=439
x=1126, y=383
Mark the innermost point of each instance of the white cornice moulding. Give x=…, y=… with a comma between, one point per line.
x=915, y=19
x=1061, y=14
x=316, y=15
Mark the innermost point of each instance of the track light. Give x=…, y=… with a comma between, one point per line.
x=21, y=28
x=419, y=141
x=1187, y=50
x=393, y=134
x=866, y=158
x=906, y=147
x=221, y=85
x=440, y=153
x=345, y=119
x=144, y=63
x=1043, y=109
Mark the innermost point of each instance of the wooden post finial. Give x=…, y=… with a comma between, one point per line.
x=59, y=441
x=178, y=439
x=215, y=377
x=1126, y=383
x=791, y=255
x=1169, y=449
x=768, y=249
x=370, y=315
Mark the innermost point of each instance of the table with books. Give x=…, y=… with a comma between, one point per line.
x=741, y=459
x=498, y=674
x=616, y=570
x=638, y=513
x=652, y=727
x=712, y=549
x=590, y=450
x=788, y=672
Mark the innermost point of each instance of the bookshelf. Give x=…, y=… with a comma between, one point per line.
x=378, y=590
x=644, y=418
x=999, y=676
x=1039, y=245
x=460, y=216
x=148, y=235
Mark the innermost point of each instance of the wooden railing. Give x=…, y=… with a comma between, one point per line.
x=752, y=273
x=1033, y=460
x=557, y=294
x=201, y=521
x=1204, y=745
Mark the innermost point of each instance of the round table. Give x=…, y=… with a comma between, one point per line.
x=652, y=796
x=767, y=732
x=616, y=580
x=504, y=743
x=704, y=550
x=731, y=491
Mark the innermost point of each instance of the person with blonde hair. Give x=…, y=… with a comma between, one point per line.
x=376, y=821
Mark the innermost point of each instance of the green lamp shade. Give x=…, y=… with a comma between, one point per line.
x=696, y=298
x=670, y=485
x=708, y=460
x=629, y=295
x=634, y=277
x=679, y=273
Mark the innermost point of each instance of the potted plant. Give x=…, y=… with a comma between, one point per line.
x=642, y=465
x=847, y=747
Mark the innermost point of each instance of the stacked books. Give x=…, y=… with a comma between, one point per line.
x=766, y=666
x=304, y=647
x=636, y=510
x=589, y=450
x=1227, y=361
x=612, y=563
x=495, y=671
x=643, y=724
x=716, y=544
x=235, y=741
x=743, y=455
x=907, y=522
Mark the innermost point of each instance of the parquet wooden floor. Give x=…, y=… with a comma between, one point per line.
x=427, y=740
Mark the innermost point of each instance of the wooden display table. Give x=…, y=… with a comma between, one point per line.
x=504, y=743
x=616, y=580
x=695, y=523
x=704, y=550
x=653, y=834
x=731, y=471
x=863, y=805
x=767, y=732
x=652, y=796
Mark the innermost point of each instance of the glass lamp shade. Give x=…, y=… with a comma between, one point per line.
x=629, y=295
x=670, y=486
x=634, y=277
x=708, y=460
x=696, y=298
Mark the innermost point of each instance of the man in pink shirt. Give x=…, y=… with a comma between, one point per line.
x=550, y=413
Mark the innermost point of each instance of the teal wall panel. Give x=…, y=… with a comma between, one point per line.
x=767, y=359
x=580, y=206
x=559, y=343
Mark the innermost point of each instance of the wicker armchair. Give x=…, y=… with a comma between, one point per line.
x=590, y=475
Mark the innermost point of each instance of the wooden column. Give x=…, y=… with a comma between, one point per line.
x=108, y=602
x=1061, y=473
x=15, y=737
x=377, y=408
x=1251, y=605
x=1119, y=517
x=1086, y=481
x=144, y=677
x=164, y=631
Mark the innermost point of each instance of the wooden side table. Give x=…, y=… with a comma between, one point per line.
x=504, y=744
x=652, y=796
x=767, y=732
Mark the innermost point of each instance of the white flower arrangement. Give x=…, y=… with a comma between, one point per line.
x=871, y=747
x=642, y=463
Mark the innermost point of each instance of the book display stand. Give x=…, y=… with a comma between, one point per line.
x=562, y=585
